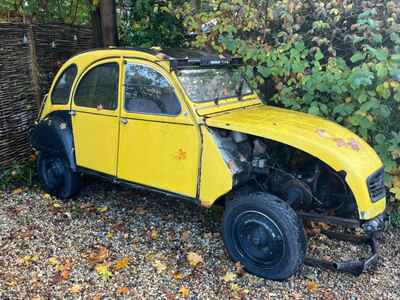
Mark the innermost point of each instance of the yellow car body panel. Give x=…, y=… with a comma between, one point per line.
x=96, y=141
x=333, y=144
x=216, y=178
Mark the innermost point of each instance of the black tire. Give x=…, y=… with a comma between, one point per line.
x=265, y=235
x=56, y=176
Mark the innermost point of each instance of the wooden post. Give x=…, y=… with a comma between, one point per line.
x=34, y=66
x=108, y=22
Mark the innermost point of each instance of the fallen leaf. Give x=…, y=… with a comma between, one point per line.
x=312, y=286
x=239, y=268
x=184, y=292
x=66, y=269
x=98, y=255
x=194, y=259
x=153, y=234
x=159, y=266
x=56, y=205
x=121, y=263
x=122, y=290
x=102, y=209
x=185, y=236
x=140, y=210
x=229, y=276
x=103, y=272
x=234, y=287
x=75, y=289
x=53, y=261
x=17, y=191
x=109, y=235
x=177, y=275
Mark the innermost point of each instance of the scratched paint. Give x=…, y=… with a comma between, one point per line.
x=340, y=142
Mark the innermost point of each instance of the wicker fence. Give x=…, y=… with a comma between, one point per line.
x=29, y=57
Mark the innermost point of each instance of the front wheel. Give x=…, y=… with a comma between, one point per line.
x=265, y=235
x=56, y=176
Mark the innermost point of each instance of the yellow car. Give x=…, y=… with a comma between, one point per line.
x=186, y=123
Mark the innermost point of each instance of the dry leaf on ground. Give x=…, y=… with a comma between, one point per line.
x=153, y=234
x=229, y=276
x=122, y=290
x=194, y=259
x=103, y=272
x=184, y=292
x=75, y=289
x=121, y=263
x=178, y=275
x=185, y=236
x=239, y=268
x=98, y=255
x=312, y=286
x=159, y=266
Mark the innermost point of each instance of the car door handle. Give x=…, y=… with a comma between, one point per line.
x=124, y=121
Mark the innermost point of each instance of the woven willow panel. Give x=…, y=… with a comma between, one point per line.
x=52, y=45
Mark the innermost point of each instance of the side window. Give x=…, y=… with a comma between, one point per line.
x=99, y=87
x=62, y=89
x=147, y=91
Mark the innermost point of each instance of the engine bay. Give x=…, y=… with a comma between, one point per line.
x=303, y=181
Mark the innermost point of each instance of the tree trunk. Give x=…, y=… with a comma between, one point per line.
x=108, y=22
x=96, y=26
x=196, y=5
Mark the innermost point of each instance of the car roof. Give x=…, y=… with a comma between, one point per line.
x=167, y=54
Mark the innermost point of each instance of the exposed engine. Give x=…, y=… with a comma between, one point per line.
x=302, y=180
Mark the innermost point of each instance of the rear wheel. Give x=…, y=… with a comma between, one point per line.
x=265, y=235
x=56, y=176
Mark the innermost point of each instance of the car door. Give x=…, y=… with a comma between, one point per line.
x=95, y=117
x=159, y=142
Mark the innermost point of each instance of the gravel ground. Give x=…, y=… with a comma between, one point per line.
x=112, y=242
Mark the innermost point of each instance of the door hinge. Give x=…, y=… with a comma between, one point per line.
x=124, y=121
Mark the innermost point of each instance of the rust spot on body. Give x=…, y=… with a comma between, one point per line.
x=181, y=155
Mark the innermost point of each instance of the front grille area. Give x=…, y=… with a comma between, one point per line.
x=376, y=185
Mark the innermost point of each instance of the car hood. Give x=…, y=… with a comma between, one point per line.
x=335, y=145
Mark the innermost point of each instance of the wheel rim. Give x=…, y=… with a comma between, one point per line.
x=53, y=172
x=258, y=239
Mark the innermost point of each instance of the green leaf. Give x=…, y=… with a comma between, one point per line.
x=263, y=71
x=358, y=56
x=380, y=138
x=318, y=56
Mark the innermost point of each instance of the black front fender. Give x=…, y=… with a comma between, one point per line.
x=54, y=135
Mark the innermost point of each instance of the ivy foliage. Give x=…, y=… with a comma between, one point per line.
x=144, y=23
x=75, y=12
x=336, y=59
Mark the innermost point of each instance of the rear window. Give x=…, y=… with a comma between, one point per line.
x=62, y=89
x=99, y=87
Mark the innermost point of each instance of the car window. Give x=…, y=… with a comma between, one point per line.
x=62, y=89
x=99, y=87
x=147, y=91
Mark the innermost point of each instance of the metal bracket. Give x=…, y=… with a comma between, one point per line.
x=356, y=266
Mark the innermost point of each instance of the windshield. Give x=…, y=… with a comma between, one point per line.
x=204, y=85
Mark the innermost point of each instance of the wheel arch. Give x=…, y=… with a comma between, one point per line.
x=54, y=134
